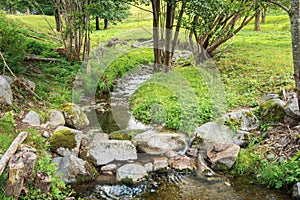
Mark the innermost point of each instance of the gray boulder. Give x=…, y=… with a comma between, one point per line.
x=296, y=191
x=246, y=120
x=8, y=79
x=213, y=132
x=72, y=169
x=131, y=172
x=223, y=155
x=158, y=143
x=160, y=163
x=74, y=115
x=101, y=152
x=32, y=118
x=5, y=91
x=55, y=119
x=272, y=111
x=292, y=108
x=65, y=141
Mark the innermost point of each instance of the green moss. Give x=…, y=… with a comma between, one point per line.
x=120, y=136
x=92, y=173
x=67, y=108
x=272, y=112
x=63, y=138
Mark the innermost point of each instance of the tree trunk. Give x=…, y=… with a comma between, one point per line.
x=257, y=20
x=12, y=150
x=97, y=24
x=105, y=24
x=57, y=21
x=295, y=28
x=156, y=45
x=263, y=16
x=15, y=181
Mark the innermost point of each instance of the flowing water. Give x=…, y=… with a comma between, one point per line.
x=168, y=185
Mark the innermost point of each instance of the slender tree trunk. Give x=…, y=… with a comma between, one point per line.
x=156, y=28
x=97, y=24
x=295, y=26
x=169, y=35
x=105, y=24
x=257, y=20
x=263, y=16
x=57, y=20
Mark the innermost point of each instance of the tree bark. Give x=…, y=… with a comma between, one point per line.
x=12, y=150
x=15, y=181
x=57, y=21
x=294, y=14
x=263, y=16
x=42, y=182
x=105, y=24
x=97, y=24
x=257, y=20
x=156, y=45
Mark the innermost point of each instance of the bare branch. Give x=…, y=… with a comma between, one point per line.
x=279, y=5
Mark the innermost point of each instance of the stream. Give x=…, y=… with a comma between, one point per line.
x=166, y=185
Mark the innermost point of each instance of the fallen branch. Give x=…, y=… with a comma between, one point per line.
x=12, y=73
x=11, y=150
x=34, y=58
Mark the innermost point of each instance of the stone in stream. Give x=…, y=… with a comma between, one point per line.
x=160, y=163
x=131, y=173
x=32, y=118
x=182, y=163
x=65, y=141
x=74, y=115
x=101, y=152
x=223, y=155
x=158, y=143
x=5, y=91
x=73, y=169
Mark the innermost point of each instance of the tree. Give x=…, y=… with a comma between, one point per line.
x=293, y=11
x=75, y=28
x=110, y=10
x=213, y=23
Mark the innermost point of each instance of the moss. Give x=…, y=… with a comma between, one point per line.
x=63, y=138
x=272, y=112
x=92, y=173
x=127, y=181
x=120, y=136
x=67, y=108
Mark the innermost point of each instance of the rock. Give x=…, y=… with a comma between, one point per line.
x=244, y=119
x=119, y=136
x=149, y=167
x=96, y=134
x=159, y=143
x=32, y=118
x=222, y=155
x=8, y=79
x=46, y=134
x=182, y=163
x=55, y=119
x=192, y=152
x=213, y=132
x=292, y=108
x=28, y=83
x=160, y=163
x=171, y=154
x=131, y=173
x=73, y=169
x=65, y=141
x=272, y=111
x=5, y=92
x=74, y=116
x=101, y=152
x=109, y=169
x=296, y=191
x=202, y=168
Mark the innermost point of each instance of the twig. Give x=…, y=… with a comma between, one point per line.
x=12, y=73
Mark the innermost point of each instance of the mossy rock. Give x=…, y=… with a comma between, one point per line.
x=272, y=111
x=64, y=138
x=74, y=115
x=119, y=136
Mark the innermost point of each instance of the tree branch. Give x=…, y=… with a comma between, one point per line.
x=138, y=7
x=279, y=5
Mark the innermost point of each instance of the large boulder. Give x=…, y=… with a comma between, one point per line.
x=213, y=132
x=55, y=119
x=73, y=169
x=5, y=91
x=244, y=119
x=223, y=155
x=32, y=118
x=292, y=108
x=158, y=143
x=131, y=173
x=65, y=141
x=101, y=152
x=74, y=115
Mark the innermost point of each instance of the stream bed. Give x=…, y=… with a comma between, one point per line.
x=164, y=185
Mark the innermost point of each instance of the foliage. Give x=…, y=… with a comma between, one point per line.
x=7, y=132
x=12, y=44
x=282, y=174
